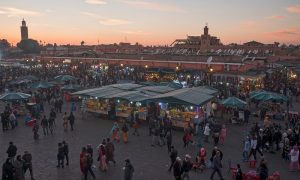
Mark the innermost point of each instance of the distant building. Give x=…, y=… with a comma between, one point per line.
x=24, y=30
x=205, y=42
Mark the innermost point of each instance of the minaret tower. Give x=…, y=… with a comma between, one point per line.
x=24, y=30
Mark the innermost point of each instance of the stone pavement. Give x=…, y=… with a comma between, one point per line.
x=151, y=163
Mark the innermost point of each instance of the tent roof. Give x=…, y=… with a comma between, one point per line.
x=157, y=89
x=187, y=96
x=126, y=86
x=131, y=96
x=206, y=90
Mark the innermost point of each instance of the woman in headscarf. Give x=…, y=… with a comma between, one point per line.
x=102, y=158
x=115, y=132
x=294, y=165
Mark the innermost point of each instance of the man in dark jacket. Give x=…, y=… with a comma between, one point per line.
x=263, y=170
x=177, y=169
x=173, y=157
x=27, y=159
x=45, y=124
x=60, y=156
x=169, y=140
x=72, y=120
x=11, y=151
x=7, y=170
x=186, y=167
x=217, y=165
x=128, y=170
x=66, y=152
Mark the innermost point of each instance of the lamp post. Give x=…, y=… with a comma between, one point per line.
x=209, y=75
x=286, y=93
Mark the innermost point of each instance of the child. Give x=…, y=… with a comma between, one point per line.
x=223, y=134
x=246, y=149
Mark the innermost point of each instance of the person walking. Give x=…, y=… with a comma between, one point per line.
x=8, y=170
x=11, y=151
x=239, y=173
x=125, y=133
x=128, y=170
x=83, y=160
x=155, y=133
x=223, y=134
x=102, y=158
x=206, y=132
x=51, y=123
x=263, y=170
x=173, y=157
x=186, y=167
x=253, y=147
x=66, y=151
x=27, y=159
x=71, y=120
x=65, y=122
x=110, y=149
x=12, y=120
x=45, y=125
x=217, y=165
x=88, y=167
x=60, y=156
x=19, y=168
x=53, y=116
x=136, y=125
x=177, y=168
x=35, y=131
x=169, y=140
x=115, y=132
x=246, y=149
x=294, y=165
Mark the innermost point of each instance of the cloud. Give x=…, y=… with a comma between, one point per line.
x=136, y=32
x=113, y=22
x=286, y=32
x=16, y=12
x=48, y=10
x=294, y=9
x=275, y=17
x=107, y=21
x=93, y=15
x=154, y=6
x=97, y=2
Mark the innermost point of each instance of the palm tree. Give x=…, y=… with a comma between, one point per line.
x=82, y=43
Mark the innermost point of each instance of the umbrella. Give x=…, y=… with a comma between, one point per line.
x=71, y=87
x=233, y=102
x=266, y=96
x=30, y=78
x=14, y=96
x=42, y=85
x=64, y=78
x=253, y=93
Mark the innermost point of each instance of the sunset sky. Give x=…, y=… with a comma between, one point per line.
x=150, y=22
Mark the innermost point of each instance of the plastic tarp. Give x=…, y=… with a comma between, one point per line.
x=187, y=96
x=157, y=89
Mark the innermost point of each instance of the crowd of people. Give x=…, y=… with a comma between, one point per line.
x=264, y=137
x=16, y=165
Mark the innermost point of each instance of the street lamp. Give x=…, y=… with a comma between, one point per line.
x=146, y=66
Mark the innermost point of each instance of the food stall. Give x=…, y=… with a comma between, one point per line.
x=97, y=106
x=123, y=110
x=183, y=105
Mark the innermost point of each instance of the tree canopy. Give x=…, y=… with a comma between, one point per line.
x=29, y=46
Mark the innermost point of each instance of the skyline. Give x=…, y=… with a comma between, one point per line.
x=150, y=22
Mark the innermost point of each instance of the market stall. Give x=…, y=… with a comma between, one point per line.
x=97, y=106
x=183, y=105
